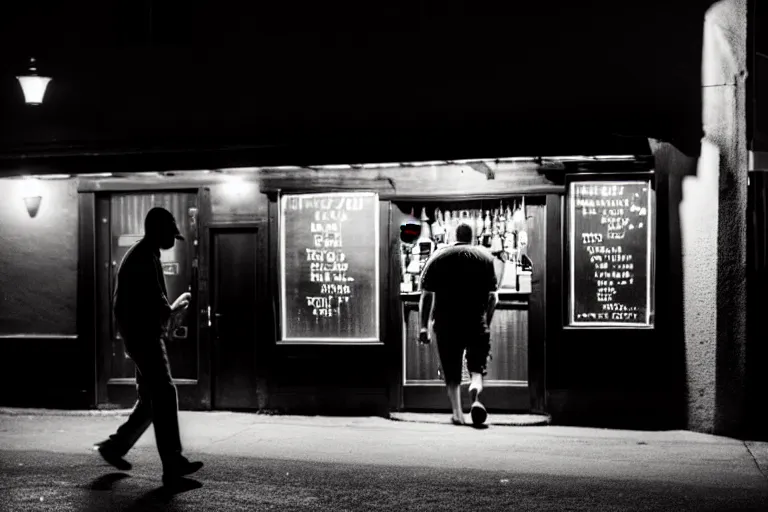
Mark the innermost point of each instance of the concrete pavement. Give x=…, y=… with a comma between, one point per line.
x=609, y=459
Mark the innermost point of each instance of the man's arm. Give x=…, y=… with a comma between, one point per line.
x=156, y=292
x=493, y=300
x=493, y=294
x=425, y=309
x=426, y=302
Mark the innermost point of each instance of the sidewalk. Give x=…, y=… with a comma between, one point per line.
x=506, y=420
x=673, y=457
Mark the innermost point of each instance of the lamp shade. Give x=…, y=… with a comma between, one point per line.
x=34, y=88
x=33, y=205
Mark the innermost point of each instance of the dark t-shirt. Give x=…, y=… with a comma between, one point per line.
x=461, y=277
x=141, y=298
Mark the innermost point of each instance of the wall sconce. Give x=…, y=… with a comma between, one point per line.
x=32, y=195
x=33, y=85
x=33, y=205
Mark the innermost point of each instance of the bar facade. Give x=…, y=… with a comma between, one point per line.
x=305, y=299
x=684, y=364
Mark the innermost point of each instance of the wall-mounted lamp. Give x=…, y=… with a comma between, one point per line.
x=33, y=85
x=33, y=205
x=32, y=194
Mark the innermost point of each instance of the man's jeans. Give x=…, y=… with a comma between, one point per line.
x=157, y=401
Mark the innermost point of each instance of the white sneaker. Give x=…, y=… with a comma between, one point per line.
x=477, y=411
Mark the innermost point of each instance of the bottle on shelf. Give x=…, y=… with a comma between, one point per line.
x=501, y=219
x=438, y=230
x=406, y=284
x=518, y=217
x=497, y=244
x=450, y=232
x=487, y=229
x=521, y=225
x=477, y=226
x=508, y=224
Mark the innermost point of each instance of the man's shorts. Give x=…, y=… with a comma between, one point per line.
x=451, y=346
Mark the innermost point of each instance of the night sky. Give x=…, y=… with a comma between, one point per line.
x=231, y=72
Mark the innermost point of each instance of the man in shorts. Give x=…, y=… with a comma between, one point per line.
x=459, y=294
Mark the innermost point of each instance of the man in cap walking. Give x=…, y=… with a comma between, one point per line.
x=142, y=312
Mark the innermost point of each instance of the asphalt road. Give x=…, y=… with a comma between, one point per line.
x=62, y=482
x=319, y=464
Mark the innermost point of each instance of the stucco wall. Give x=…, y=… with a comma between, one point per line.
x=724, y=107
x=712, y=219
x=38, y=259
x=699, y=228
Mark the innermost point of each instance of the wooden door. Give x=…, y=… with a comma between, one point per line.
x=238, y=317
x=121, y=224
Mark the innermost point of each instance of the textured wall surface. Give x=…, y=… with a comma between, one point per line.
x=707, y=201
x=699, y=228
x=38, y=259
x=724, y=106
x=713, y=231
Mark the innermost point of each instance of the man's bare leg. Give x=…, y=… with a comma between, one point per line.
x=454, y=395
x=477, y=411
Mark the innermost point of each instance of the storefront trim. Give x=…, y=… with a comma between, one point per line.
x=487, y=384
x=117, y=185
x=132, y=382
x=330, y=341
x=63, y=337
x=325, y=185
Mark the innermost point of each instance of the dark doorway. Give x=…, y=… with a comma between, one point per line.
x=238, y=321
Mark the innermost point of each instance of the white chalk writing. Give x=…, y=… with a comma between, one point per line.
x=327, y=263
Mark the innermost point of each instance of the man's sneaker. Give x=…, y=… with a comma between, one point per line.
x=183, y=467
x=112, y=456
x=477, y=412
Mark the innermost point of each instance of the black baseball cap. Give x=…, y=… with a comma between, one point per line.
x=161, y=221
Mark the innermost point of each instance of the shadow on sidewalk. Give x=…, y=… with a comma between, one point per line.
x=161, y=498
x=157, y=499
x=105, y=482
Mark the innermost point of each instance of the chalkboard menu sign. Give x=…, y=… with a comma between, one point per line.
x=329, y=268
x=610, y=249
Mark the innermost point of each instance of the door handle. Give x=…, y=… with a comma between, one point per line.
x=207, y=313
